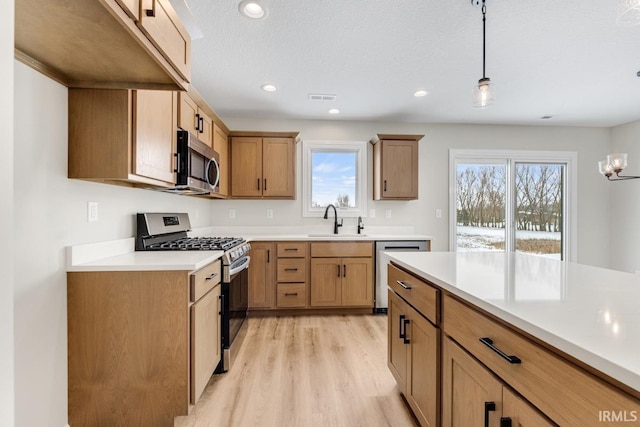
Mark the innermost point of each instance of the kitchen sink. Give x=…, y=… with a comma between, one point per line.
x=343, y=236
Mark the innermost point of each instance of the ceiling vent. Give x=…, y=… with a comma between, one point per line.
x=321, y=97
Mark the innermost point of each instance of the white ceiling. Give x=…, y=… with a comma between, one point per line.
x=564, y=58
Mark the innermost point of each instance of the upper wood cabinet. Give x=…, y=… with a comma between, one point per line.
x=193, y=118
x=105, y=43
x=263, y=164
x=395, y=167
x=122, y=136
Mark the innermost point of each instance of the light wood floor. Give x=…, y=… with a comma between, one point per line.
x=306, y=371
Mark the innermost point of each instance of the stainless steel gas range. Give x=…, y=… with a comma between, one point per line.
x=168, y=232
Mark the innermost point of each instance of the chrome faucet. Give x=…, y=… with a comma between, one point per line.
x=335, y=222
x=360, y=224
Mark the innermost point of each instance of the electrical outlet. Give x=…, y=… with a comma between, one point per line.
x=387, y=213
x=92, y=211
x=438, y=213
x=372, y=213
x=232, y=213
x=270, y=213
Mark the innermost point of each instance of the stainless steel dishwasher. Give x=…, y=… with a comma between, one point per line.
x=381, y=266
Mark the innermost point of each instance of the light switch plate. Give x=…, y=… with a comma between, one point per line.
x=438, y=213
x=269, y=213
x=387, y=213
x=372, y=213
x=232, y=213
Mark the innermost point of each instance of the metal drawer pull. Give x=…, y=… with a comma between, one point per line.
x=211, y=276
x=290, y=294
x=291, y=249
x=401, y=283
x=290, y=269
x=489, y=343
x=401, y=323
x=488, y=407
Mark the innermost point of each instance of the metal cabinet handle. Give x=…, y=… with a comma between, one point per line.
x=290, y=294
x=211, y=276
x=401, y=334
x=344, y=269
x=291, y=249
x=265, y=184
x=406, y=322
x=258, y=183
x=268, y=256
x=198, y=122
x=201, y=124
x=290, y=269
x=488, y=407
x=401, y=283
x=505, y=422
x=151, y=12
x=385, y=185
x=489, y=343
x=221, y=304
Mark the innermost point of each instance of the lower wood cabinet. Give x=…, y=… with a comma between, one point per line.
x=142, y=345
x=262, y=275
x=341, y=274
x=413, y=354
x=473, y=396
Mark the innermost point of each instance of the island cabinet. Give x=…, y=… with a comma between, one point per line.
x=123, y=136
x=413, y=351
x=291, y=274
x=106, y=43
x=560, y=390
x=262, y=275
x=263, y=164
x=395, y=167
x=142, y=345
x=341, y=274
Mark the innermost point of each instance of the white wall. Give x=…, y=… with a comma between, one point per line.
x=590, y=143
x=6, y=216
x=624, y=198
x=51, y=213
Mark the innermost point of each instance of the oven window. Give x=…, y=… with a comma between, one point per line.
x=198, y=165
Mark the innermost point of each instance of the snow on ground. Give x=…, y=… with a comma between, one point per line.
x=481, y=238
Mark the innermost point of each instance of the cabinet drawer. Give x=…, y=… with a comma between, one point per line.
x=416, y=292
x=292, y=270
x=292, y=295
x=342, y=249
x=548, y=381
x=203, y=280
x=292, y=250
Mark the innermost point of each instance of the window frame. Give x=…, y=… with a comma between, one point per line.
x=358, y=147
x=510, y=158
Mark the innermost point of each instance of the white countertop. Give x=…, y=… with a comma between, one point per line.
x=341, y=237
x=587, y=312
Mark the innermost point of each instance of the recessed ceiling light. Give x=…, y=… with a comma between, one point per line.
x=252, y=9
x=420, y=93
x=546, y=117
x=334, y=111
x=269, y=87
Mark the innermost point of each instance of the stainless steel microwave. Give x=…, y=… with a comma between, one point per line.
x=198, y=167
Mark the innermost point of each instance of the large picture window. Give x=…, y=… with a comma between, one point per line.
x=513, y=201
x=334, y=173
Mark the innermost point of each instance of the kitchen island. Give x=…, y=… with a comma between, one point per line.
x=564, y=337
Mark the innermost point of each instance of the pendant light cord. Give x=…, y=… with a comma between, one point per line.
x=484, y=33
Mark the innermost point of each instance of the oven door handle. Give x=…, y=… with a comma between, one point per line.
x=234, y=269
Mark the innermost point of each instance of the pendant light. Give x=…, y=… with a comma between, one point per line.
x=484, y=93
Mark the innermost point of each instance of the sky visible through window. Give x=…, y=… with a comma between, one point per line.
x=334, y=179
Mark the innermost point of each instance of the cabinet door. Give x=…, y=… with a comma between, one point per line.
x=468, y=389
x=278, y=170
x=397, y=350
x=423, y=378
x=399, y=169
x=246, y=167
x=131, y=7
x=205, y=134
x=326, y=276
x=154, y=135
x=161, y=24
x=357, y=282
x=261, y=275
x=221, y=146
x=187, y=110
x=520, y=412
x=205, y=341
